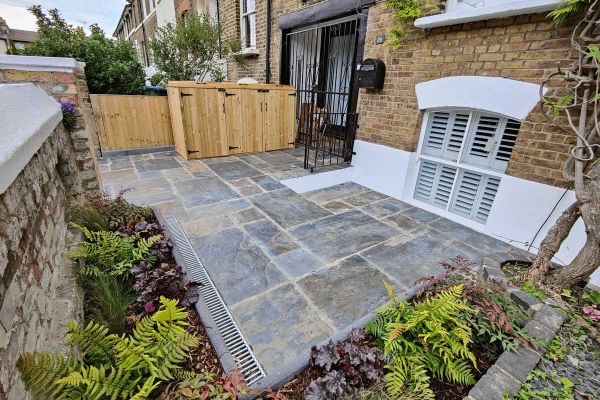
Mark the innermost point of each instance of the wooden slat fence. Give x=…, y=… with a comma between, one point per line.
x=131, y=122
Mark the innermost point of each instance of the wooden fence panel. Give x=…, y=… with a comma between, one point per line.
x=130, y=122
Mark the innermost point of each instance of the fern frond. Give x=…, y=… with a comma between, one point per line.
x=93, y=341
x=41, y=370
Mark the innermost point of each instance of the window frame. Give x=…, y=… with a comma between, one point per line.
x=460, y=164
x=248, y=42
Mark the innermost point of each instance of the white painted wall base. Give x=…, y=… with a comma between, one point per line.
x=519, y=210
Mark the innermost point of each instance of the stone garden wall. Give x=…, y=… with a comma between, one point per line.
x=64, y=80
x=41, y=171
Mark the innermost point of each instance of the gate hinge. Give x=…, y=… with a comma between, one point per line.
x=230, y=94
x=193, y=151
x=221, y=90
x=233, y=147
x=263, y=90
x=186, y=94
x=292, y=94
x=291, y=142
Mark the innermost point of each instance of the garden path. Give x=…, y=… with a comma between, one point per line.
x=294, y=269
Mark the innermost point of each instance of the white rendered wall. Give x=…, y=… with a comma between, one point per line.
x=519, y=210
x=165, y=12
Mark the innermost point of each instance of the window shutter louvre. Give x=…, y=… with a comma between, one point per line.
x=491, y=141
x=474, y=195
x=434, y=183
x=444, y=134
x=506, y=145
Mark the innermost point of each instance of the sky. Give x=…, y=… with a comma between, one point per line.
x=83, y=13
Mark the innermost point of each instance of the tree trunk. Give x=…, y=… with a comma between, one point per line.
x=588, y=259
x=586, y=262
x=551, y=243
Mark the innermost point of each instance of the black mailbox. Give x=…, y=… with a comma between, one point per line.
x=371, y=74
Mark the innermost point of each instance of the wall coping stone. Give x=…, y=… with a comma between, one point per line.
x=37, y=63
x=27, y=118
x=508, y=9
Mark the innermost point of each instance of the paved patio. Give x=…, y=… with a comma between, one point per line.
x=294, y=269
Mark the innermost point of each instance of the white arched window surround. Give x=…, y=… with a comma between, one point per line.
x=452, y=178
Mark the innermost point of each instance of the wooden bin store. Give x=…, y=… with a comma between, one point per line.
x=220, y=119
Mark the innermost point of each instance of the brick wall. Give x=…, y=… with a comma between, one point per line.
x=38, y=293
x=69, y=86
x=524, y=48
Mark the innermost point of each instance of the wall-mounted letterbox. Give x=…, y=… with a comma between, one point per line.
x=371, y=74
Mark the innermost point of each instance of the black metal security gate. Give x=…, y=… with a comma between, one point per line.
x=320, y=62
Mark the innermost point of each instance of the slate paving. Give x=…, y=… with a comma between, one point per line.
x=294, y=269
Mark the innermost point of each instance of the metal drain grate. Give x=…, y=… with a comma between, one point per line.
x=226, y=326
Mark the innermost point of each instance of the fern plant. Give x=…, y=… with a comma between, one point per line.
x=424, y=339
x=109, y=253
x=111, y=366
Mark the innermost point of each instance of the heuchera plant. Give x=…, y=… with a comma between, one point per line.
x=592, y=312
x=348, y=366
x=68, y=111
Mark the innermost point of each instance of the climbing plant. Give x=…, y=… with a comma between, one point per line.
x=574, y=93
x=406, y=11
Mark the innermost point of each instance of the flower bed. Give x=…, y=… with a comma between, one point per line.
x=448, y=342
x=142, y=337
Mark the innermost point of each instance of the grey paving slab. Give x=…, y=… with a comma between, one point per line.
x=206, y=226
x=156, y=164
x=248, y=215
x=234, y=170
x=298, y=262
x=364, y=198
x=469, y=236
x=271, y=236
x=404, y=224
x=420, y=215
x=151, y=198
x=120, y=163
x=279, y=326
x=206, y=190
x=385, y=207
x=337, y=206
x=237, y=266
x=336, y=192
x=267, y=183
x=288, y=208
x=341, y=235
x=223, y=208
x=118, y=176
x=346, y=292
x=416, y=258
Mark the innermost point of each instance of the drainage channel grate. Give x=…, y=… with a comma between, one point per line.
x=226, y=326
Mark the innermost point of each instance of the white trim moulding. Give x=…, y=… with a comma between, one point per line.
x=508, y=9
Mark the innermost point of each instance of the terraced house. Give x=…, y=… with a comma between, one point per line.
x=447, y=120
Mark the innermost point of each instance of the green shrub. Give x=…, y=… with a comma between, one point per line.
x=87, y=216
x=109, y=366
x=424, y=339
x=107, y=301
x=110, y=253
x=111, y=66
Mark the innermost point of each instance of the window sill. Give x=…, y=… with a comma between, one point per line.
x=248, y=52
x=512, y=8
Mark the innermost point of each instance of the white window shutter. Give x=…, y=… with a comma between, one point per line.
x=444, y=134
x=491, y=141
x=474, y=195
x=434, y=183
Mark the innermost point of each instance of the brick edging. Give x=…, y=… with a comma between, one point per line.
x=511, y=369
